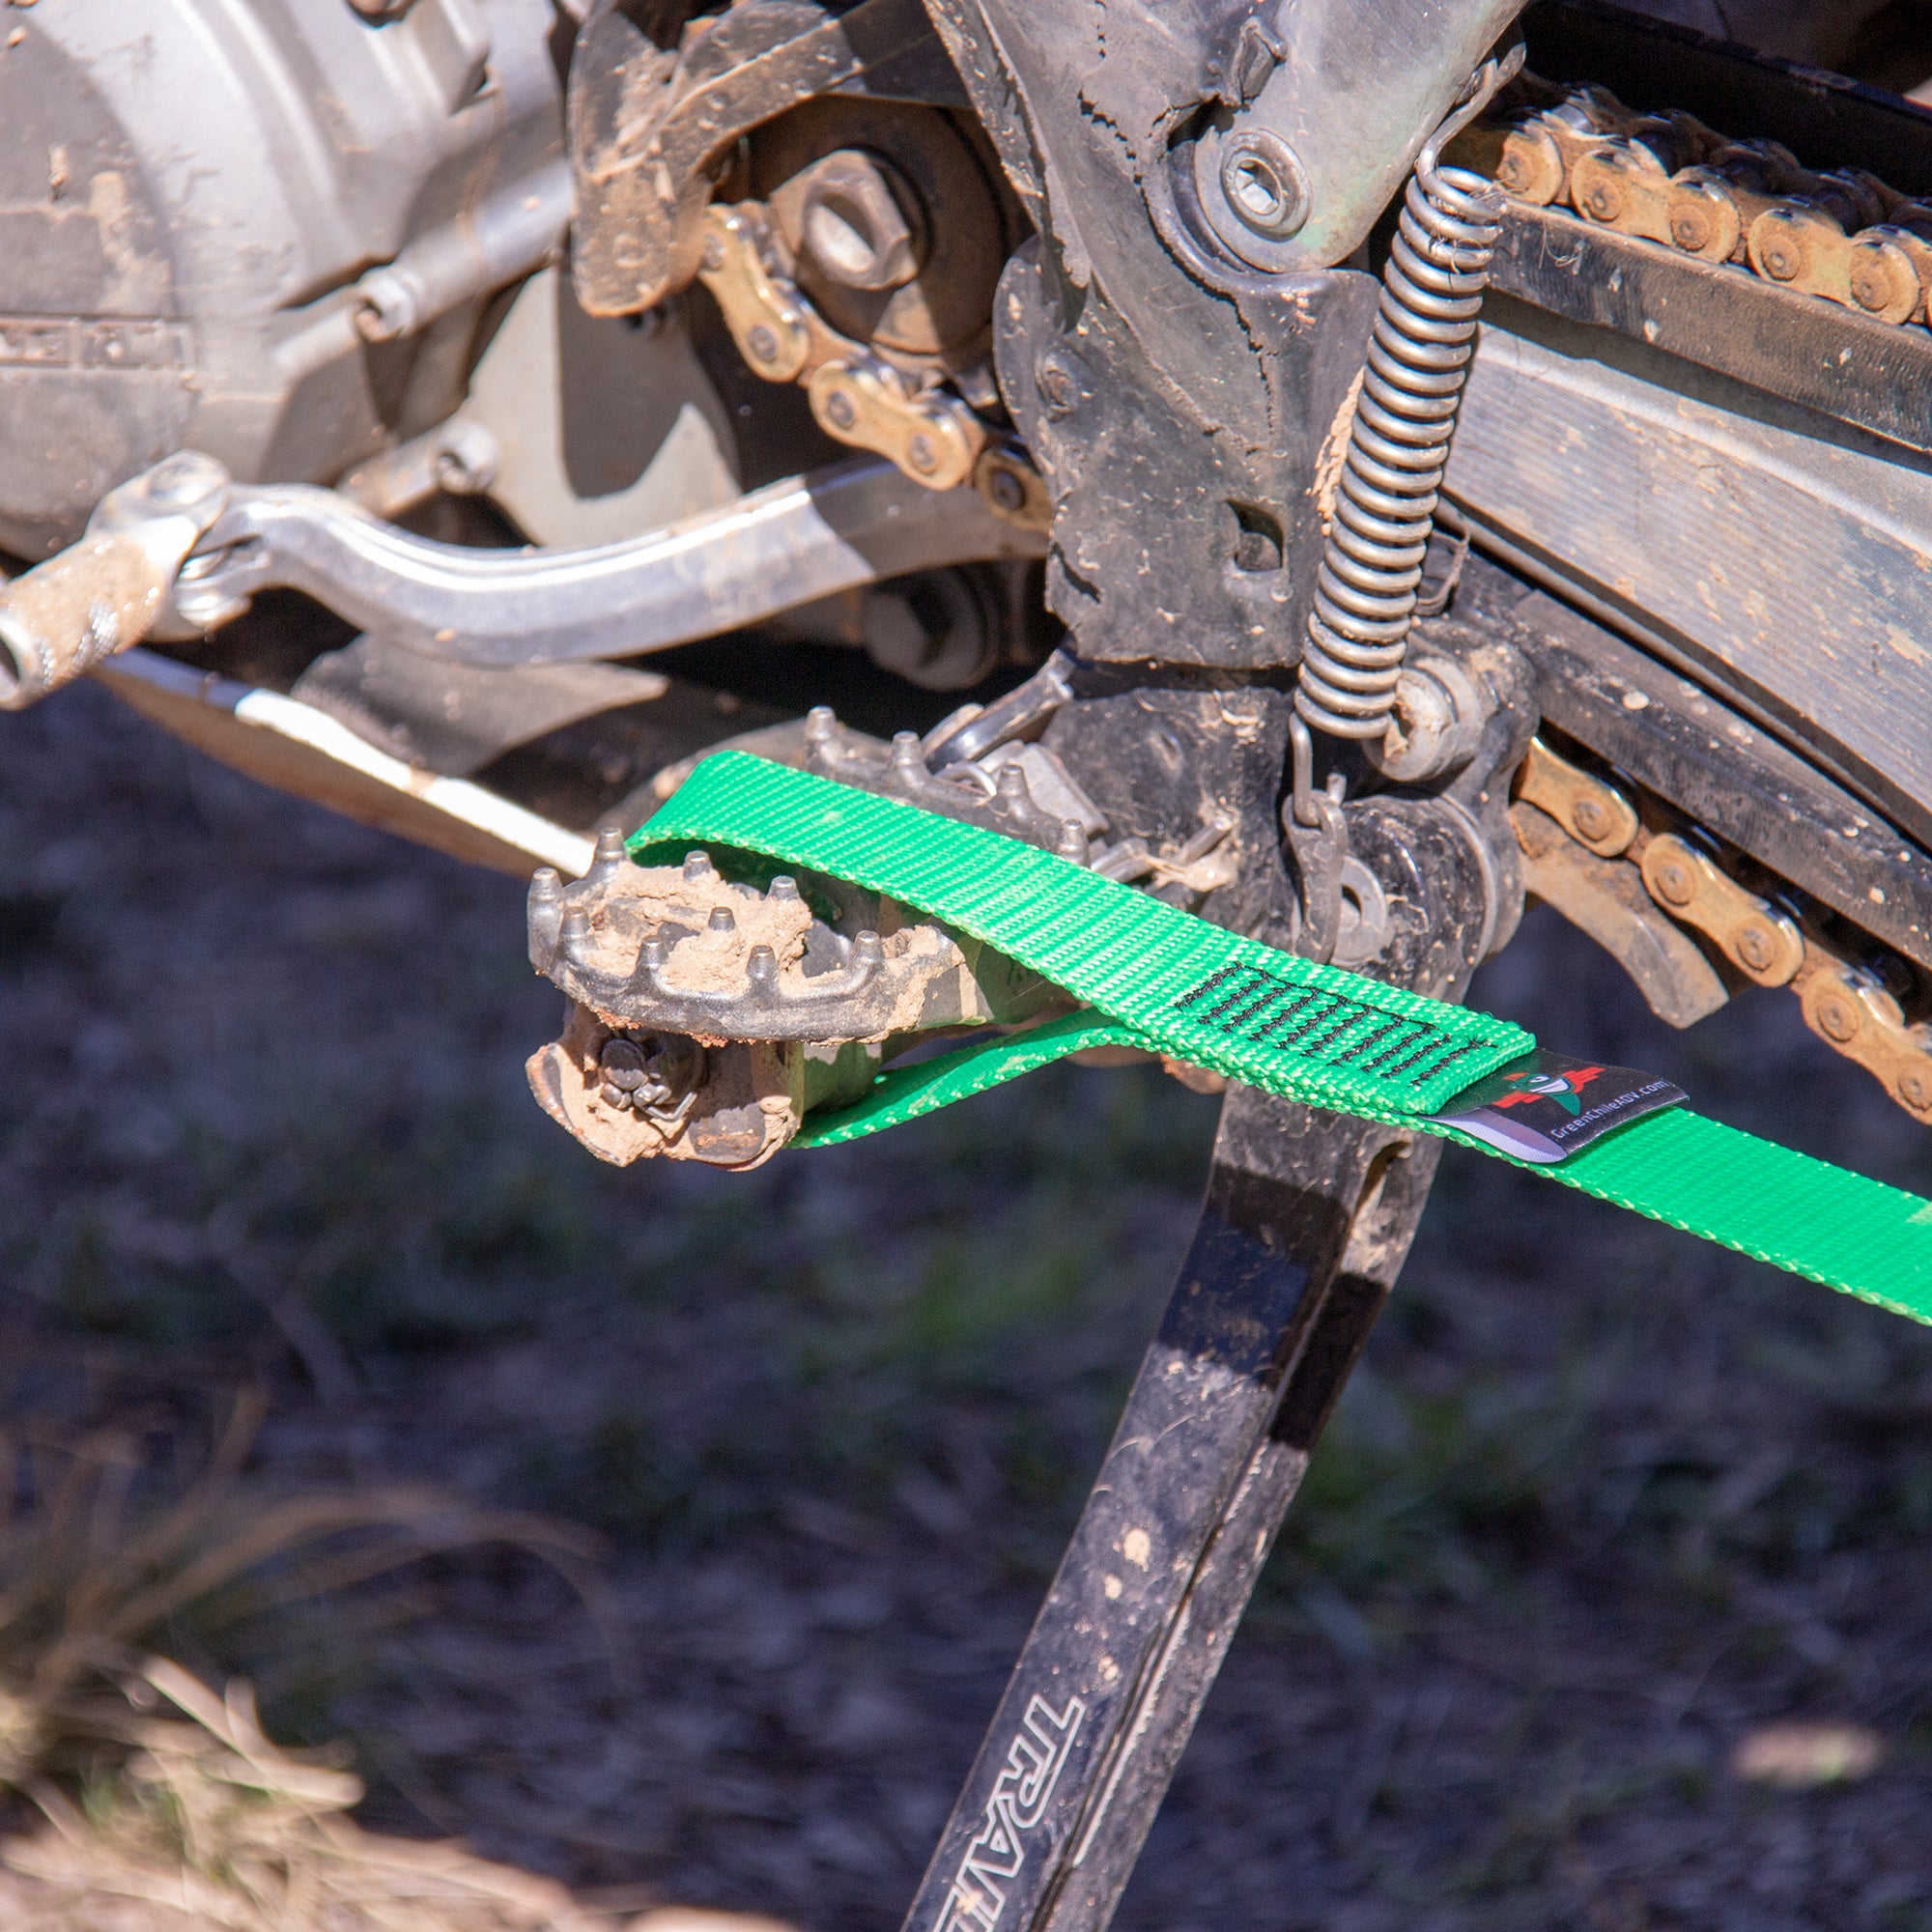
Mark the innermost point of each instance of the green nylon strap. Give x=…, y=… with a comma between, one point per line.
x=1168, y=982
x=1209, y=996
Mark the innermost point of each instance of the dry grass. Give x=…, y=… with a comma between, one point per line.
x=210, y=1824
x=93, y=1564
x=155, y=1820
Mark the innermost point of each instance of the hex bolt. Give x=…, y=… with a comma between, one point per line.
x=858, y=222
x=1265, y=184
x=1011, y=784
x=869, y=949
x=1590, y=817
x=574, y=935
x=654, y=957
x=764, y=345
x=783, y=889
x=821, y=725
x=1675, y=883
x=720, y=920
x=697, y=867
x=907, y=755
x=1071, y=842
x=546, y=887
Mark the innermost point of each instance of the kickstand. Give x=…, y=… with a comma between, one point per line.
x=1307, y=1220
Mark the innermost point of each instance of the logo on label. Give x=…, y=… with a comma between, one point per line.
x=1033, y=1763
x=1565, y=1089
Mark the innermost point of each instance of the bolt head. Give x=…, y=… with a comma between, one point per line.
x=713, y=257
x=859, y=224
x=1914, y=1089
x=922, y=453
x=763, y=344
x=1005, y=490
x=1591, y=818
x=1600, y=202
x=1264, y=183
x=841, y=407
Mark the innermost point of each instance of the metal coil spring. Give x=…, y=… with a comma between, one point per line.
x=1399, y=445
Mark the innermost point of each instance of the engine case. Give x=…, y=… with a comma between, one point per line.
x=189, y=191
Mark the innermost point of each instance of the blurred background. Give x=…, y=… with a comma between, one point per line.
x=669, y=1534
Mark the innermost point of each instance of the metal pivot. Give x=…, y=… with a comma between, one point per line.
x=1307, y=1221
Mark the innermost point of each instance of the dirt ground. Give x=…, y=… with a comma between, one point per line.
x=1603, y=1500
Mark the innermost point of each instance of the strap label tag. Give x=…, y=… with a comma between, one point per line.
x=1545, y=1106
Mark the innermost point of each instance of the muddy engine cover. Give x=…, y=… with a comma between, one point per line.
x=189, y=191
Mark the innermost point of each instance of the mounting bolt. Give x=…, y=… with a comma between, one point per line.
x=920, y=453
x=859, y=223
x=1265, y=184
x=763, y=344
x=841, y=407
x=1005, y=490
